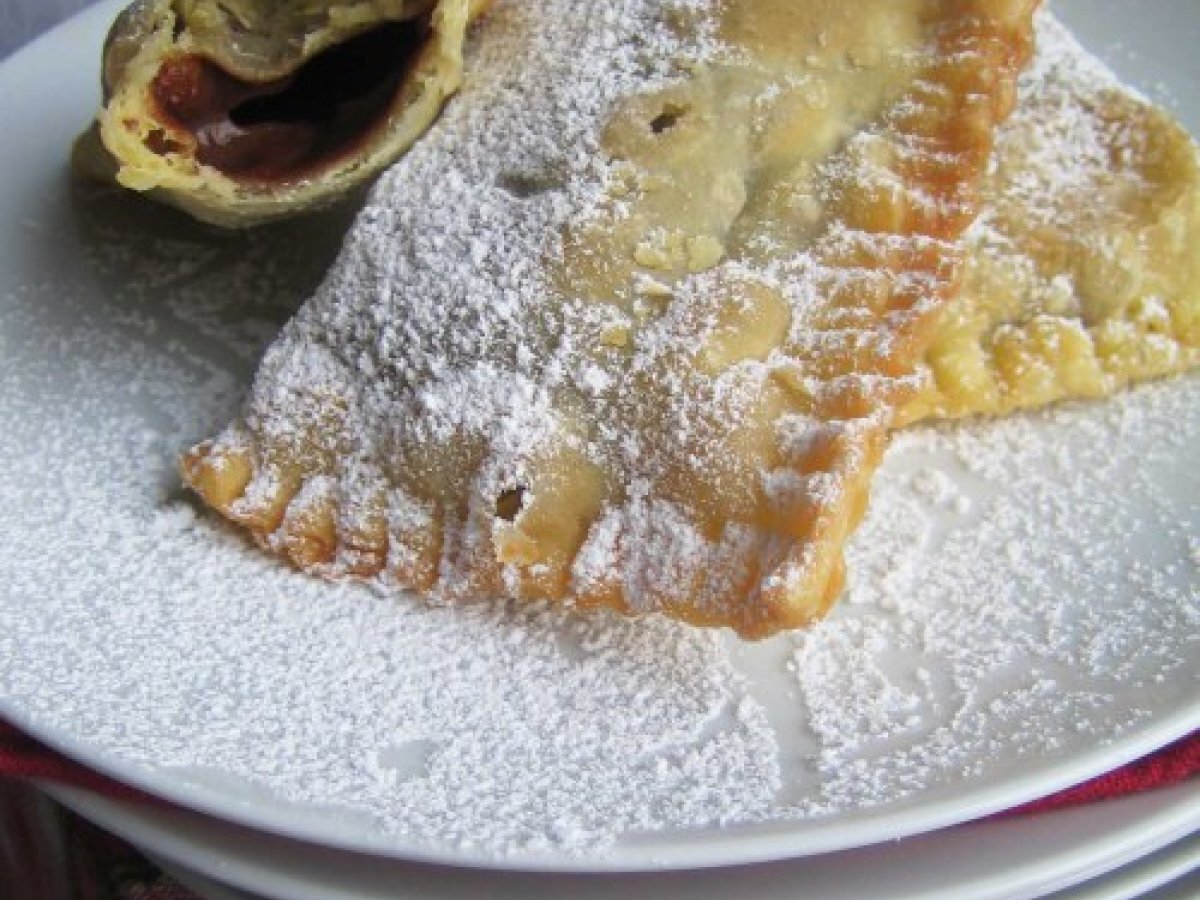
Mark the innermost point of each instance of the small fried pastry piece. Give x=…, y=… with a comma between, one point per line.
x=1083, y=274
x=243, y=111
x=629, y=327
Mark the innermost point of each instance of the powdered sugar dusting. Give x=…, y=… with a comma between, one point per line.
x=1070, y=149
x=1006, y=604
x=999, y=587
x=210, y=660
x=1021, y=591
x=429, y=331
x=544, y=288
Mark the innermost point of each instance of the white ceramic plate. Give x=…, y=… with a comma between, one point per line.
x=156, y=647
x=1172, y=873
x=1001, y=860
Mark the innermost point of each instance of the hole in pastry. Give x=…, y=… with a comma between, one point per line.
x=524, y=185
x=667, y=119
x=158, y=142
x=510, y=503
x=295, y=125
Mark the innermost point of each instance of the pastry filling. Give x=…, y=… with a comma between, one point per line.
x=293, y=126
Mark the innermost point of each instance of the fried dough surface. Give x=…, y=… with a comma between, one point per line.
x=1083, y=273
x=629, y=328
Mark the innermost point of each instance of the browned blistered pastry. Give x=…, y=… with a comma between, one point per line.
x=242, y=111
x=1083, y=273
x=630, y=326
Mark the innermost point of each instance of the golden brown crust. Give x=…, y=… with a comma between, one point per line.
x=1084, y=273
x=708, y=198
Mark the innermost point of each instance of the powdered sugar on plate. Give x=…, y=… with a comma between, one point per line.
x=169, y=641
x=1021, y=587
x=1021, y=591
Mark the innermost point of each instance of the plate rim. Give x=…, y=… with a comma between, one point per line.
x=1172, y=816
x=735, y=846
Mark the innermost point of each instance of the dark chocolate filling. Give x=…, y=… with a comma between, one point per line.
x=294, y=126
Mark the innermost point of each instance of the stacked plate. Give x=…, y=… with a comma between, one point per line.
x=100, y=656
x=1124, y=848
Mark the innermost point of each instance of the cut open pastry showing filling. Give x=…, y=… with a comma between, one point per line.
x=284, y=128
x=1083, y=273
x=241, y=111
x=630, y=326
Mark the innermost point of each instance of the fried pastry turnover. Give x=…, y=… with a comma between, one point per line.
x=1083, y=272
x=243, y=111
x=630, y=326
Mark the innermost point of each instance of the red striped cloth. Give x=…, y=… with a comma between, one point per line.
x=24, y=758
x=1172, y=764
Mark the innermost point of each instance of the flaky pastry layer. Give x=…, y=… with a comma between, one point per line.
x=1083, y=274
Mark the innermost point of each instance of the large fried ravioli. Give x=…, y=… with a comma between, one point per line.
x=1083, y=272
x=630, y=326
